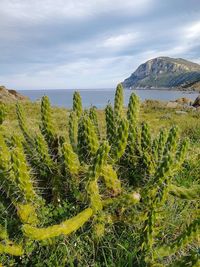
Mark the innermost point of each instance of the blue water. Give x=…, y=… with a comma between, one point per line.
x=100, y=97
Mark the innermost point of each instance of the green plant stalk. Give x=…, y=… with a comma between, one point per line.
x=93, y=174
x=118, y=149
x=171, y=143
x=191, y=232
x=133, y=117
x=94, y=119
x=23, y=126
x=16, y=182
x=42, y=153
x=2, y=113
x=192, y=193
x=111, y=180
x=7, y=246
x=110, y=124
x=47, y=128
x=65, y=228
x=21, y=173
x=161, y=143
x=118, y=103
x=12, y=249
x=73, y=130
x=71, y=160
x=158, y=193
x=77, y=104
x=88, y=142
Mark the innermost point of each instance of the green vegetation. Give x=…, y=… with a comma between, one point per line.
x=118, y=187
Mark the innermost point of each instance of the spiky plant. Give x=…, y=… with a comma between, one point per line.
x=2, y=113
x=123, y=179
x=77, y=104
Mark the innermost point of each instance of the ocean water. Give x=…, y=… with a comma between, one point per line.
x=100, y=97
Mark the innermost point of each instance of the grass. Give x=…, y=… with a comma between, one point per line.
x=117, y=247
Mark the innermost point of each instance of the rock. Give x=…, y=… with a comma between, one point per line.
x=196, y=102
x=180, y=112
x=172, y=104
x=184, y=101
x=9, y=95
x=154, y=103
x=17, y=95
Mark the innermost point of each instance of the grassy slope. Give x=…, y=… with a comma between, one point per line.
x=155, y=114
x=117, y=249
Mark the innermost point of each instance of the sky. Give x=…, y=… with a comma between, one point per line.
x=75, y=44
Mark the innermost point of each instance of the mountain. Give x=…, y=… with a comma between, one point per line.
x=10, y=95
x=164, y=72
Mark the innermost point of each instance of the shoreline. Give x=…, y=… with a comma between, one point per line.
x=189, y=90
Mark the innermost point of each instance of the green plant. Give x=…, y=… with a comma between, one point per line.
x=83, y=182
x=2, y=113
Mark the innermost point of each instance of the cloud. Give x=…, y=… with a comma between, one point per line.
x=120, y=41
x=86, y=43
x=193, y=31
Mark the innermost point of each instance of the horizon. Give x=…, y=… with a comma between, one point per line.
x=91, y=45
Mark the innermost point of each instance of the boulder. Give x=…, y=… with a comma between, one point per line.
x=172, y=104
x=196, y=103
x=180, y=112
x=184, y=101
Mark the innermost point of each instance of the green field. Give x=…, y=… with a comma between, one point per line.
x=128, y=178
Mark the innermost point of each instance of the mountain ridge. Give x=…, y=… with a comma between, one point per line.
x=164, y=72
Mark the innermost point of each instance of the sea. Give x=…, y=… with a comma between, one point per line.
x=101, y=97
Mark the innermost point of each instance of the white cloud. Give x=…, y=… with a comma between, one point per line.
x=121, y=40
x=193, y=31
x=186, y=39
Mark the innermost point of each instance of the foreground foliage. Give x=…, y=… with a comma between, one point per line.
x=57, y=189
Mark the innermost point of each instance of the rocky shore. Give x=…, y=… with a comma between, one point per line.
x=182, y=103
x=10, y=95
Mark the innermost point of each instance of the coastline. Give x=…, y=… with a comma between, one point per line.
x=189, y=89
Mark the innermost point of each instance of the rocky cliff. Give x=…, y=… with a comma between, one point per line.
x=9, y=95
x=164, y=72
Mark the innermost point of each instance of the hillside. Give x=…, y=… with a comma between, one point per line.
x=164, y=72
x=9, y=95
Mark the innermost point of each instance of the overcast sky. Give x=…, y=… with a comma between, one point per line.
x=91, y=43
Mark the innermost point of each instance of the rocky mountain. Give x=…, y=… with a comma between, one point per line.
x=164, y=72
x=10, y=95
